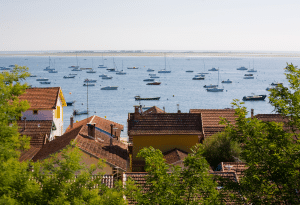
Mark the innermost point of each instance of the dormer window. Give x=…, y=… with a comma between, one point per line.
x=35, y=112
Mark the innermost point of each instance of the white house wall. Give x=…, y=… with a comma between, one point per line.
x=59, y=123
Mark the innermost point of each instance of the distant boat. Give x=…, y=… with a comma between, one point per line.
x=213, y=69
x=76, y=69
x=189, y=71
x=69, y=76
x=89, y=81
x=52, y=71
x=254, y=97
x=148, y=79
x=42, y=79
x=88, y=84
x=242, y=68
x=227, y=81
x=77, y=112
x=102, y=66
x=91, y=71
x=102, y=75
x=70, y=103
x=215, y=89
x=198, y=78
x=210, y=86
x=154, y=83
x=154, y=76
x=111, y=70
x=252, y=70
x=73, y=74
x=86, y=68
x=121, y=72
x=107, y=77
x=45, y=82
x=248, y=76
x=276, y=83
x=165, y=69
x=150, y=70
x=138, y=98
x=132, y=67
x=110, y=88
x=32, y=76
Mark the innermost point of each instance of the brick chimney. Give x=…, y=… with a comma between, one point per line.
x=136, y=112
x=252, y=113
x=71, y=121
x=91, y=130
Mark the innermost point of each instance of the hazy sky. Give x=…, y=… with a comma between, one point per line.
x=267, y=25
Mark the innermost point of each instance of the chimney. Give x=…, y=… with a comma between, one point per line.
x=91, y=130
x=179, y=111
x=111, y=129
x=252, y=113
x=136, y=112
x=71, y=121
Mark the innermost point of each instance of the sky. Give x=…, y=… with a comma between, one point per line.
x=202, y=25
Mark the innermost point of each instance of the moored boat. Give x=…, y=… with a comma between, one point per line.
x=154, y=83
x=164, y=71
x=132, y=67
x=77, y=112
x=42, y=79
x=90, y=81
x=45, y=82
x=88, y=84
x=139, y=98
x=110, y=88
x=198, y=78
x=213, y=69
x=242, y=68
x=150, y=70
x=69, y=76
x=148, y=79
x=254, y=97
x=226, y=81
x=210, y=86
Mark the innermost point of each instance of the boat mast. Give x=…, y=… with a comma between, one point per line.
x=87, y=98
x=165, y=62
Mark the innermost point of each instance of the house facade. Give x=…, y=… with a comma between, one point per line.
x=46, y=104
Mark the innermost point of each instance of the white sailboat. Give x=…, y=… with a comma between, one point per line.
x=165, y=69
x=215, y=89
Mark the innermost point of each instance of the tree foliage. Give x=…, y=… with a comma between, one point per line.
x=175, y=185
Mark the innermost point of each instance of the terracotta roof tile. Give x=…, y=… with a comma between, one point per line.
x=211, y=119
x=237, y=167
x=164, y=123
x=29, y=154
x=98, y=147
x=41, y=98
x=174, y=156
x=153, y=110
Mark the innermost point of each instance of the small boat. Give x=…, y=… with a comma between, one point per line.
x=276, y=84
x=70, y=103
x=248, y=76
x=132, y=67
x=69, y=76
x=42, y=79
x=200, y=75
x=77, y=112
x=32, y=76
x=154, y=76
x=252, y=70
x=242, y=68
x=12, y=66
x=189, y=71
x=139, y=98
x=110, y=88
x=73, y=74
x=198, y=78
x=49, y=69
x=88, y=84
x=89, y=81
x=52, y=71
x=213, y=69
x=164, y=71
x=210, y=86
x=254, y=97
x=226, y=81
x=203, y=73
x=91, y=71
x=150, y=70
x=102, y=75
x=3, y=68
x=154, y=83
x=107, y=77
x=102, y=66
x=86, y=68
x=44, y=82
x=76, y=69
x=148, y=80
x=121, y=72
x=215, y=89
x=111, y=70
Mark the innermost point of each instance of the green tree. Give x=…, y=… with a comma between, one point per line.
x=57, y=180
x=221, y=148
x=167, y=184
x=272, y=157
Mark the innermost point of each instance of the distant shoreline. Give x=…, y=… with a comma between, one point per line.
x=157, y=54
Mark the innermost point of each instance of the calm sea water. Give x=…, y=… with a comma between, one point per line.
x=177, y=87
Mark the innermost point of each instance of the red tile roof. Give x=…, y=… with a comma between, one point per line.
x=153, y=110
x=164, y=123
x=99, y=147
x=41, y=98
x=211, y=119
x=237, y=167
x=174, y=156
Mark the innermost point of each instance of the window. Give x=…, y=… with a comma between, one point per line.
x=35, y=112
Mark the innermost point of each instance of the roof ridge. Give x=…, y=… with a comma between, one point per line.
x=92, y=119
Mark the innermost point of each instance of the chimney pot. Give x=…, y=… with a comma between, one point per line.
x=91, y=130
x=71, y=121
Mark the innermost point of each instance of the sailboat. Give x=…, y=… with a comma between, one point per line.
x=75, y=66
x=102, y=65
x=215, y=89
x=164, y=70
x=252, y=70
